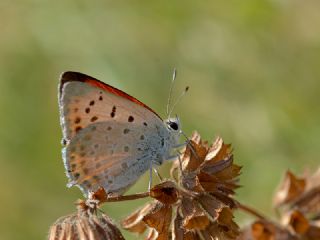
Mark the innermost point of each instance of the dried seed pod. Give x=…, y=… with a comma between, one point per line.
x=84, y=225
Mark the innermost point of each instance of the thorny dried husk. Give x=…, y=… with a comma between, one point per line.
x=84, y=225
x=199, y=204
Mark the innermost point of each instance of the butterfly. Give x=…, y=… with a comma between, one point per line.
x=110, y=138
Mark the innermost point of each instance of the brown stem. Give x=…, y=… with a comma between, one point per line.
x=251, y=211
x=127, y=197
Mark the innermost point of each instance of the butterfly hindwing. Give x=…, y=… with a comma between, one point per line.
x=98, y=156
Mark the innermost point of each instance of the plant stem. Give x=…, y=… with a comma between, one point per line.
x=251, y=211
x=127, y=197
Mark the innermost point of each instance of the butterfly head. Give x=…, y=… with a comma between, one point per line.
x=174, y=129
x=173, y=124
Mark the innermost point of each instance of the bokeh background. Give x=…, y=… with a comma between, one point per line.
x=252, y=67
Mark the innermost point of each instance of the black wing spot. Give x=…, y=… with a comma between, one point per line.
x=130, y=119
x=113, y=112
x=146, y=124
x=126, y=131
x=76, y=175
x=77, y=120
x=100, y=98
x=91, y=103
x=126, y=149
x=87, y=110
x=94, y=118
x=142, y=137
x=78, y=129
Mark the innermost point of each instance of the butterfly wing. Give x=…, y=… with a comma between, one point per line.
x=110, y=136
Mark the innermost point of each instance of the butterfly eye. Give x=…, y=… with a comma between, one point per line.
x=173, y=125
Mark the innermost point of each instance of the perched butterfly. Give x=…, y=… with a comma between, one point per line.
x=110, y=137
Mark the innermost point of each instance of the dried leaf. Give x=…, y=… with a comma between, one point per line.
x=216, y=231
x=100, y=195
x=197, y=221
x=191, y=182
x=230, y=202
x=134, y=222
x=211, y=205
x=152, y=234
x=211, y=183
x=159, y=218
x=298, y=222
x=194, y=217
x=193, y=156
x=165, y=192
x=263, y=231
x=290, y=188
x=309, y=202
x=226, y=223
x=313, y=181
x=180, y=233
x=218, y=151
x=313, y=233
x=178, y=230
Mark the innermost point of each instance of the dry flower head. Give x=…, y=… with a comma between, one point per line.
x=198, y=203
x=85, y=224
x=298, y=202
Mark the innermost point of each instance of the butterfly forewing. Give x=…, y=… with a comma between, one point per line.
x=111, y=139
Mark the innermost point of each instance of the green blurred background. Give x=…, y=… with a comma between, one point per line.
x=252, y=67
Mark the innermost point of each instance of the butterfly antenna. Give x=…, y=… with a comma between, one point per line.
x=178, y=100
x=174, y=75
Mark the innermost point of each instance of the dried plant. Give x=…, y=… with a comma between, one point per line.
x=297, y=201
x=197, y=202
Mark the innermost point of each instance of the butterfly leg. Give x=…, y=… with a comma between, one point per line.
x=150, y=177
x=180, y=162
x=158, y=174
x=181, y=145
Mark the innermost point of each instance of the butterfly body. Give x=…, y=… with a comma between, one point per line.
x=111, y=138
